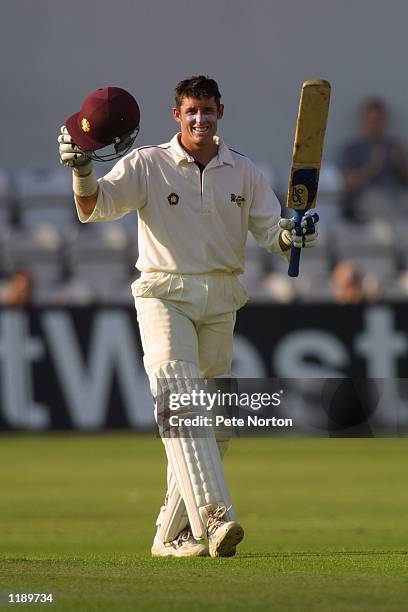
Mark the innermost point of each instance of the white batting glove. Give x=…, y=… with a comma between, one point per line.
x=71, y=155
x=309, y=232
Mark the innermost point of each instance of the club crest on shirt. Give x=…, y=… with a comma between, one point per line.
x=173, y=199
x=237, y=199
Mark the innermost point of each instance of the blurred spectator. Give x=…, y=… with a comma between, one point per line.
x=350, y=287
x=18, y=290
x=373, y=161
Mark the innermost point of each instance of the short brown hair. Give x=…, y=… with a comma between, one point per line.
x=374, y=104
x=197, y=87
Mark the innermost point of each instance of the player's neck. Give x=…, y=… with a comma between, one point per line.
x=201, y=153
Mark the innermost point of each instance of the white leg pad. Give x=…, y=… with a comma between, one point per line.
x=198, y=471
x=195, y=462
x=173, y=516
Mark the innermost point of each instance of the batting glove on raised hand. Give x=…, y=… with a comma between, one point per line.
x=304, y=237
x=70, y=154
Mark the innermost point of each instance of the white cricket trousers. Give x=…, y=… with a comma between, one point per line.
x=188, y=318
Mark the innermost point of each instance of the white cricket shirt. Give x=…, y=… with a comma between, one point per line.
x=188, y=223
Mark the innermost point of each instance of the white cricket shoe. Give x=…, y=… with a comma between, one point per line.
x=223, y=536
x=185, y=545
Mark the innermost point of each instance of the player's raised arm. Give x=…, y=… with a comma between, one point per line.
x=275, y=234
x=84, y=183
x=108, y=116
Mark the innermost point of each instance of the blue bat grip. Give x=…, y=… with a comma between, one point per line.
x=295, y=252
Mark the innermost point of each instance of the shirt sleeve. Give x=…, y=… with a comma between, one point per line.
x=264, y=216
x=121, y=190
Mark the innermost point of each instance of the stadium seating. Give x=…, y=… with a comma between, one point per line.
x=98, y=255
x=38, y=250
x=5, y=197
x=45, y=196
x=74, y=263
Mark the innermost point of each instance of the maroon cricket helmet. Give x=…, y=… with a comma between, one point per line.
x=106, y=115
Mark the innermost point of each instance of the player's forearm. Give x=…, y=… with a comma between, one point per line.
x=354, y=179
x=403, y=175
x=85, y=187
x=87, y=203
x=401, y=164
x=358, y=177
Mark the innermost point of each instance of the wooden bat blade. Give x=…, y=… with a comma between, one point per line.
x=308, y=144
x=307, y=155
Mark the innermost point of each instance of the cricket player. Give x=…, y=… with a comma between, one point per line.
x=196, y=200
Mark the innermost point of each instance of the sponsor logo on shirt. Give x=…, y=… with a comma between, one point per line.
x=173, y=199
x=237, y=199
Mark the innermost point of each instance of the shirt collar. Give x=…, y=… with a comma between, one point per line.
x=223, y=156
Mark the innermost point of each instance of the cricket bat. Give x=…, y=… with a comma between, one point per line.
x=307, y=156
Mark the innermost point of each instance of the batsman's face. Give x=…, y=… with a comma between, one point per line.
x=198, y=119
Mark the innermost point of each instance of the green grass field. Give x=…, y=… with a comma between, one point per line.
x=326, y=526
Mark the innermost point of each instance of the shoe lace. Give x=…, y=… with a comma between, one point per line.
x=216, y=518
x=183, y=536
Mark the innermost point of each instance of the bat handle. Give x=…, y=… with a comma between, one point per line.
x=295, y=252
